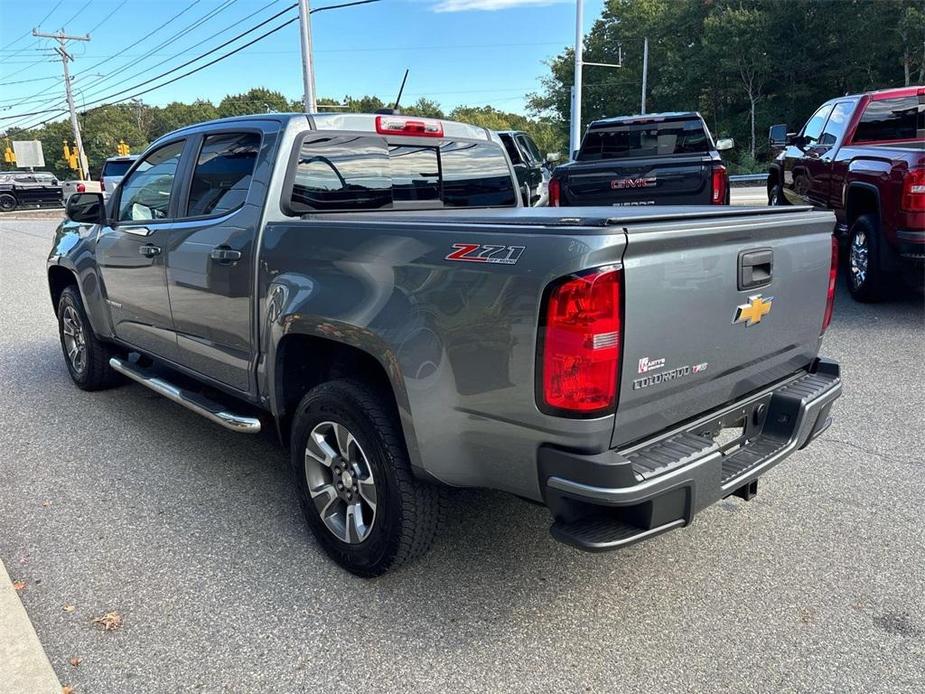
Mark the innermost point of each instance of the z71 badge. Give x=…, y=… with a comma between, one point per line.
x=485, y=253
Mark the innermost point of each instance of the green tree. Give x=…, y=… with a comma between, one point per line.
x=257, y=100
x=423, y=107
x=730, y=36
x=177, y=115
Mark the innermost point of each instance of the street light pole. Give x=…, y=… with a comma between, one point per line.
x=575, y=134
x=645, y=72
x=308, y=68
x=61, y=50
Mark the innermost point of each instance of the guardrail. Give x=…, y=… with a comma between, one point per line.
x=746, y=179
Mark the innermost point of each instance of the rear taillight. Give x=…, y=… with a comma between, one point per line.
x=830, y=297
x=720, y=185
x=555, y=192
x=581, y=344
x=913, y=196
x=81, y=188
x=414, y=127
x=102, y=185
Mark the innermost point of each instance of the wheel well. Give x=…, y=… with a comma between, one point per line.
x=59, y=278
x=305, y=361
x=861, y=200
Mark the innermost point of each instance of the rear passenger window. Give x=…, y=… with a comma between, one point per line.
x=359, y=172
x=223, y=173
x=902, y=118
x=475, y=175
x=342, y=173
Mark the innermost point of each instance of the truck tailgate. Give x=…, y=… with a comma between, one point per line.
x=693, y=340
x=669, y=180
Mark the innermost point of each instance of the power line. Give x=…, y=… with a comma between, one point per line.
x=193, y=71
x=179, y=77
x=28, y=33
x=116, y=72
x=34, y=79
x=149, y=34
x=146, y=36
x=106, y=18
x=76, y=15
x=199, y=57
x=196, y=45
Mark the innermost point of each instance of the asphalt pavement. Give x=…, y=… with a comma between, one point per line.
x=123, y=502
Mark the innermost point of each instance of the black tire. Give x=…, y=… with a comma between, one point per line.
x=866, y=281
x=776, y=196
x=8, y=203
x=92, y=371
x=408, y=511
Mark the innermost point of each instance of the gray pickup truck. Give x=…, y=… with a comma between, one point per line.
x=371, y=287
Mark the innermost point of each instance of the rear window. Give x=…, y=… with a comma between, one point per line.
x=644, y=140
x=359, y=172
x=116, y=168
x=902, y=118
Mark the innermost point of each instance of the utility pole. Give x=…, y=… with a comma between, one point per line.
x=645, y=71
x=575, y=134
x=61, y=50
x=308, y=69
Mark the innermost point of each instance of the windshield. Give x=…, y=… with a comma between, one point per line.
x=644, y=140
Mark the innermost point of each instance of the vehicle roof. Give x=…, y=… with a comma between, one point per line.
x=124, y=157
x=878, y=94
x=344, y=121
x=644, y=118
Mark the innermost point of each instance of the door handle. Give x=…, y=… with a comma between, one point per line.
x=223, y=254
x=755, y=268
x=149, y=251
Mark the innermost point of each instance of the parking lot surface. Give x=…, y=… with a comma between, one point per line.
x=122, y=501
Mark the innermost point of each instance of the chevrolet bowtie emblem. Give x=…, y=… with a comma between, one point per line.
x=752, y=312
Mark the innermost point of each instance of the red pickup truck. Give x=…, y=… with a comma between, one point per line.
x=862, y=156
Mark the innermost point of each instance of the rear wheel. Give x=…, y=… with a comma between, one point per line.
x=866, y=280
x=358, y=494
x=7, y=202
x=86, y=357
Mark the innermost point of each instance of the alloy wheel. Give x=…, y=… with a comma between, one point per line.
x=74, y=339
x=340, y=482
x=858, y=258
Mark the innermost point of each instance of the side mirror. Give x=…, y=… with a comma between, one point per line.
x=86, y=208
x=724, y=144
x=777, y=135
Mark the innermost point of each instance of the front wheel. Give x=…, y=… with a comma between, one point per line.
x=866, y=280
x=776, y=196
x=86, y=357
x=358, y=494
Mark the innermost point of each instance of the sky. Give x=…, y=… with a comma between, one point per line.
x=472, y=52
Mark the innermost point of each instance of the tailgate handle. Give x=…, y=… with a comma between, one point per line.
x=755, y=268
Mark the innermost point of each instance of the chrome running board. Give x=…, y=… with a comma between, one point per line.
x=189, y=399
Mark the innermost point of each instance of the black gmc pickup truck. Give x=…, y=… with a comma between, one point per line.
x=655, y=159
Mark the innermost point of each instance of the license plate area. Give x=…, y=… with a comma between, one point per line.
x=735, y=428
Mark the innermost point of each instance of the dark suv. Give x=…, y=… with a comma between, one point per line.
x=530, y=166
